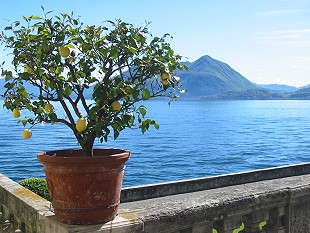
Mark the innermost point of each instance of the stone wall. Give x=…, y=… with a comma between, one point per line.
x=272, y=200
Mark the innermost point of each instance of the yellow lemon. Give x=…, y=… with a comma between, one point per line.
x=64, y=51
x=48, y=108
x=165, y=76
x=16, y=113
x=81, y=124
x=27, y=69
x=116, y=106
x=27, y=134
x=164, y=81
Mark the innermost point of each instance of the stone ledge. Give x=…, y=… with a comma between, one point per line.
x=184, y=210
x=184, y=186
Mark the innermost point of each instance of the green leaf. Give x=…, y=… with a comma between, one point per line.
x=53, y=117
x=239, y=229
x=29, y=106
x=8, y=28
x=67, y=91
x=145, y=125
x=156, y=126
x=22, y=91
x=133, y=50
x=9, y=85
x=8, y=75
x=142, y=110
x=35, y=17
x=48, y=12
x=24, y=122
x=262, y=224
x=71, y=46
x=114, y=52
x=146, y=94
x=116, y=129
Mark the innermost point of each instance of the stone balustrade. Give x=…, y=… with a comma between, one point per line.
x=273, y=200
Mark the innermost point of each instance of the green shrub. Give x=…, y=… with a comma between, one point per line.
x=36, y=185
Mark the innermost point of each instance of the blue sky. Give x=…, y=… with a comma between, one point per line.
x=267, y=41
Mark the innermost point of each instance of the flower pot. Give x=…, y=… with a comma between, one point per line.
x=84, y=190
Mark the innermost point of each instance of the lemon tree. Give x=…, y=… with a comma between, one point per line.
x=64, y=60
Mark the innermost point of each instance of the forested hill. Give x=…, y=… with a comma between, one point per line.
x=207, y=76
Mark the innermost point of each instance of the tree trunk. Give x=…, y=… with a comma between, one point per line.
x=88, y=148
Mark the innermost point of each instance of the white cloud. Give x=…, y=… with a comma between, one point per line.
x=299, y=38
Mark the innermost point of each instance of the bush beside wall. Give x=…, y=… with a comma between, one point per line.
x=36, y=185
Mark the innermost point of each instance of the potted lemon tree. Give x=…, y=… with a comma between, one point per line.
x=100, y=76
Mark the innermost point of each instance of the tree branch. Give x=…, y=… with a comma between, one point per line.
x=74, y=105
x=67, y=111
x=60, y=121
x=80, y=92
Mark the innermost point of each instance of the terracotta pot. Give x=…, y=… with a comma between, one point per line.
x=84, y=190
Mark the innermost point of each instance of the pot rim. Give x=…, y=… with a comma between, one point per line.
x=75, y=155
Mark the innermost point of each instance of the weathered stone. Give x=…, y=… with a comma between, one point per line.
x=199, y=184
x=227, y=225
x=283, y=202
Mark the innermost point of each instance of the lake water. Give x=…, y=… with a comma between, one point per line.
x=195, y=139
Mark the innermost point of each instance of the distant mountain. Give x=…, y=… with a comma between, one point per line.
x=305, y=86
x=29, y=88
x=278, y=88
x=262, y=94
x=250, y=94
x=301, y=94
x=35, y=90
x=207, y=76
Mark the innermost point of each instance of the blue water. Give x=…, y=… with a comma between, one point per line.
x=195, y=139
